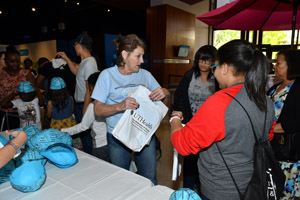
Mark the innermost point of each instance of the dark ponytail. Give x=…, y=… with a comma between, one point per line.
x=247, y=60
x=256, y=80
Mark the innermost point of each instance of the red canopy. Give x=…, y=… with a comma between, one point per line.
x=254, y=15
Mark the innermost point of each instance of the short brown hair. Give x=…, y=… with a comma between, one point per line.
x=127, y=43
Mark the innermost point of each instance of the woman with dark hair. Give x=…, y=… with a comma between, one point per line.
x=286, y=98
x=10, y=77
x=241, y=72
x=111, y=95
x=196, y=86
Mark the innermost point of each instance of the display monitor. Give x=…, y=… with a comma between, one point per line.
x=183, y=50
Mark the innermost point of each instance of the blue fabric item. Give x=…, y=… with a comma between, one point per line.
x=47, y=137
x=57, y=83
x=3, y=140
x=6, y=171
x=61, y=155
x=30, y=131
x=29, y=177
x=25, y=87
x=184, y=194
x=29, y=155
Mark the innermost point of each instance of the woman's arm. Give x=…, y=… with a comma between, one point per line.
x=31, y=79
x=9, y=150
x=101, y=109
x=49, y=109
x=175, y=121
x=87, y=98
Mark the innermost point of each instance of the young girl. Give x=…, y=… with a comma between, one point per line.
x=60, y=108
x=28, y=104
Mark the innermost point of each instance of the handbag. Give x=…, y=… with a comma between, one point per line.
x=268, y=179
x=136, y=127
x=285, y=146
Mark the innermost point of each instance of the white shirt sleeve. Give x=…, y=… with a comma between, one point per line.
x=86, y=122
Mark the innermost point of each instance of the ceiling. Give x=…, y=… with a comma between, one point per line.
x=64, y=19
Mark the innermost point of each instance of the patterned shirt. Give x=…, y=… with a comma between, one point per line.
x=279, y=98
x=9, y=84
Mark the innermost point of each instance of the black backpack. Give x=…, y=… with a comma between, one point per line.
x=268, y=178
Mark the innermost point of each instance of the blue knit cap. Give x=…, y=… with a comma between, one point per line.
x=184, y=194
x=57, y=83
x=25, y=87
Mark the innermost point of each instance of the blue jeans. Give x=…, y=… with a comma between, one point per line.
x=145, y=160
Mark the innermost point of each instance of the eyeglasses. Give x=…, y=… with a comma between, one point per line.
x=213, y=67
x=206, y=62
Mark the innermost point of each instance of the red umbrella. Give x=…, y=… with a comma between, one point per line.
x=263, y=15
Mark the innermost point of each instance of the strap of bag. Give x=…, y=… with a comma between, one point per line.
x=256, y=140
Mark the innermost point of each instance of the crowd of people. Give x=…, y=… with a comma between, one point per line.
x=87, y=103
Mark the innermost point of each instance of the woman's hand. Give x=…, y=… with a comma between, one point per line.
x=14, y=133
x=158, y=94
x=278, y=128
x=129, y=103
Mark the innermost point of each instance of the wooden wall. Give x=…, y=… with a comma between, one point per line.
x=167, y=28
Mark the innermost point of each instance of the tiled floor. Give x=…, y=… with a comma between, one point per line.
x=165, y=163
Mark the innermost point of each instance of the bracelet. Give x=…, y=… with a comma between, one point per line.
x=16, y=147
x=174, y=117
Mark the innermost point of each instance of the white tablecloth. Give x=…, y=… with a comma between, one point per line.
x=90, y=178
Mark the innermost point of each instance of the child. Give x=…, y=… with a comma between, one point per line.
x=28, y=105
x=97, y=125
x=60, y=108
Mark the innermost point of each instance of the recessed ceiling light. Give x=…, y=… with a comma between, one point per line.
x=108, y=10
x=78, y=3
x=33, y=9
x=0, y=12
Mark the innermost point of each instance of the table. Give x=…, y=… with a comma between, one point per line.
x=91, y=178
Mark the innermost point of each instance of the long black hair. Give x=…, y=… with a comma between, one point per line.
x=206, y=52
x=59, y=98
x=247, y=60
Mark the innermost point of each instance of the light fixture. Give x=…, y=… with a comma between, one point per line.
x=78, y=3
x=66, y=1
x=0, y=12
x=33, y=9
x=108, y=10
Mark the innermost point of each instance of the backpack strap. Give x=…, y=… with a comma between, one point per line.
x=256, y=140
